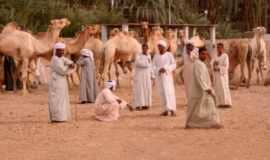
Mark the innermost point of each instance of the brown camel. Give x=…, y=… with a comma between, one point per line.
x=240, y=53
x=120, y=49
x=24, y=47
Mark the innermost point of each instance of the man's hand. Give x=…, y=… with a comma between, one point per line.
x=71, y=66
x=162, y=70
x=216, y=69
x=119, y=101
x=153, y=82
x=209, y=91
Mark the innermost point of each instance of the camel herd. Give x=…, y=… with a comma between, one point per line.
x=119, y=50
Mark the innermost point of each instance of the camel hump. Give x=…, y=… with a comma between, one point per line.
x=10, y=27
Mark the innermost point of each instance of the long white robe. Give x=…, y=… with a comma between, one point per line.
x=88, y=85
x=201, y=112
x=165, y=81
x=59, y=106
x=221, y=80
x=106, y=106
x=142, y=88
x=188, y=70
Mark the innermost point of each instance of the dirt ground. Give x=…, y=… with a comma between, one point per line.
x=25, y=133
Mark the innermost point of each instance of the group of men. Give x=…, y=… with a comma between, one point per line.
x=203, y=98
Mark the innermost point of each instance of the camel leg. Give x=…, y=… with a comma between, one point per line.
x=242, y=77
x=117, y=75
x=250, y=70
x=25, y=75
x=258, y=75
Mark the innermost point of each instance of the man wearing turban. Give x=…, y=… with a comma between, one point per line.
x=88, y=87
x=163, y=66
x=59, y=105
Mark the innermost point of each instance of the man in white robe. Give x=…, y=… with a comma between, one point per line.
x=189, y=56
x=201, y=111
x=142, y=88
x=88, y=85
x=59, y=106
x=163, y=66
x=108, y=105
x=221, y=78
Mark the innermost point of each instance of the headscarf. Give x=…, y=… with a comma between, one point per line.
x=58, y=45
x=190, y=42
x=162, y=43
x=110, y=84
x=87, y=53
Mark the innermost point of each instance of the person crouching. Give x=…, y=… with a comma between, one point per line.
x=108, y=105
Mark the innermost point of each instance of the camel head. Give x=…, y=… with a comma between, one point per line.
x=170, y=34
x=114, y=32
x=259, y=31
x=95, y=30
x=59, y=24
x=157, y=30
x=144, y=25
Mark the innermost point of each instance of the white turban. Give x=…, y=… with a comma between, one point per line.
x=87, y=53
x=110, y=84
x=190, y=42
x=162, y=43
x=58, y=45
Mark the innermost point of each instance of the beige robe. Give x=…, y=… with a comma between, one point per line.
x=201, y=112
x=221, y=80
x=165, y=81
x=106, y=106
x=59, y=106
x=88, y=84
x=188, y=70
x=142, y=88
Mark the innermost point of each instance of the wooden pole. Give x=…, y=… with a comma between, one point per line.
x=213, y=35
x=186, y=32
x=104, y=33
x=194, y=31
x=125, y=27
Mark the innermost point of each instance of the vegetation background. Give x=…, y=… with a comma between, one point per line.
x=231, y=16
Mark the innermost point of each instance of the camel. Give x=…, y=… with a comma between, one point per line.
x=24, y=47
x=259, y=53
x=120, y=49
x=74, y=46
x=253, y=52
x=171, y=38
x=240, y=53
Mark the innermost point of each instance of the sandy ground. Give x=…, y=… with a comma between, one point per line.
x=25, y=133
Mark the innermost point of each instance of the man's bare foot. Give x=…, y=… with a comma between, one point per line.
x=165, y=113
x=173, y=113
x=129, y=107
x=145, y=108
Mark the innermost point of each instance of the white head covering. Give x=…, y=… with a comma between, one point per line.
x=110, y=84
x=190, y=42
x=58, y=45
x=162, y=43
x=87, y=53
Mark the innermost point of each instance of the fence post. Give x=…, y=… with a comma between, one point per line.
x=186, y=33
x=194, y=31
x=104, y=32
x=213, y=35
x=125, y=27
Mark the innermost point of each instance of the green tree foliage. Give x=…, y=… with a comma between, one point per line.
x=230, y=15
